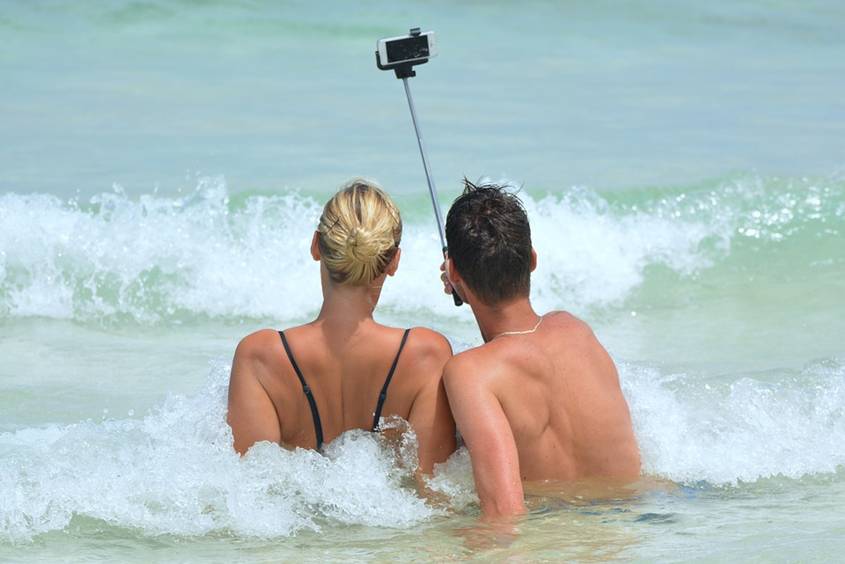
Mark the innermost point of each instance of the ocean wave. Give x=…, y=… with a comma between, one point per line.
x=738, y=430
x=158, y=259
x=174, y=471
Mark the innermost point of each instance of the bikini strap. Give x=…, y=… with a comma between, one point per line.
x=383, y=395
x=315, y=413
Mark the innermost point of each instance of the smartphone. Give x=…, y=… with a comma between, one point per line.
x=407, y=48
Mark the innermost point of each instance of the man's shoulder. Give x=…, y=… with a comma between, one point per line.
x=580, y=347
x=469, y=375
x=574, y=332
x=574, y=326
x=474, y=367
x=506, y=356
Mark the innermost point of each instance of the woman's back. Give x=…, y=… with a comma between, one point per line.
x=345, y=373
x=353, y=383
x=305, y=386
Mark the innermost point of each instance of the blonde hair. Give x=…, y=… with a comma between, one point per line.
x=359, y=232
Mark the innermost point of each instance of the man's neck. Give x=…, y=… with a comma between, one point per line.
x=514, y=315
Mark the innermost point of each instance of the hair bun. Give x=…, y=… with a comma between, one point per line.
x=359, y=230
x=362, y=245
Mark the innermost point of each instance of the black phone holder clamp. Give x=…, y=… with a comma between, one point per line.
x=404, y=69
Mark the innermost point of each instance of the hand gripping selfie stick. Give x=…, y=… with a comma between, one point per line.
x=404, y=71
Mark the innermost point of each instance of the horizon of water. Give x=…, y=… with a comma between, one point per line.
x=162, y=170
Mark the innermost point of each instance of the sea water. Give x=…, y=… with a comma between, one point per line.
x=162, y=168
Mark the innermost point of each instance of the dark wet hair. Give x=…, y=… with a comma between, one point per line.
x=489, y=242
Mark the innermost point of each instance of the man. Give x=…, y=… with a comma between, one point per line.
x=540, y=399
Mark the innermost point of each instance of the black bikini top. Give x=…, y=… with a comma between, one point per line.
x=315, y=413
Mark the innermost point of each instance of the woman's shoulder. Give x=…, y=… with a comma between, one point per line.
x=260, y=345
x=424, y=343
x=258, y=341
x=265, y=344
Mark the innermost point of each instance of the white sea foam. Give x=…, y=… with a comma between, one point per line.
x=161, y=258
x=588, y=255
x=693, y=429
x=158, y=256
x=174, y=471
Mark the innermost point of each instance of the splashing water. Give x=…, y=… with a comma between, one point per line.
x=208, y=255
x=174, y=471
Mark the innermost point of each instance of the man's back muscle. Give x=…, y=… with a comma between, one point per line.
x=558, y=393
x=562, y=398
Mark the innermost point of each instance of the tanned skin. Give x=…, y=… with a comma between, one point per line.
x=345, y=356
x=538, y=406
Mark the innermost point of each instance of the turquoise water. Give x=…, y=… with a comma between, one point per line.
x=162, y=169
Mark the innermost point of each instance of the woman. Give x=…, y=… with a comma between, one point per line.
x=304, y=386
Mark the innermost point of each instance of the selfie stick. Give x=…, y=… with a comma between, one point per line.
x=404, y=71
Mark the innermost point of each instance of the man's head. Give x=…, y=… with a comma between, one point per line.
x=490, y=243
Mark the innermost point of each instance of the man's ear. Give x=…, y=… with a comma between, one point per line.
x=455, y=279
x=451, y=271
x=393, y=265
x=315, y=246
x=533, y=259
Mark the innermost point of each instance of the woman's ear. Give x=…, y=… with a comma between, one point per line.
x=393, y=265
x=533, y=259
x=315, y=246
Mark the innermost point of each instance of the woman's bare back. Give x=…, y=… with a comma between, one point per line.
x=345, y=373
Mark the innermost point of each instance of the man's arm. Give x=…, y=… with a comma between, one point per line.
x=251, y=415
x=488, y=436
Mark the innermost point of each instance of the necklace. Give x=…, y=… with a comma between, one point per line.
x=526, y=332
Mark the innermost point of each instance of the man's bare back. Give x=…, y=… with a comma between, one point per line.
x=553, y=397
x=540, y=400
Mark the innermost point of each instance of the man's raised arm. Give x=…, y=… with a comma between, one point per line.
x=488, y=436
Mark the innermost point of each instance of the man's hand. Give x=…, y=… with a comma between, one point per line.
x=444, y=277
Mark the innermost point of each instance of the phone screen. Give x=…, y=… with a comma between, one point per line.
x=407, y=49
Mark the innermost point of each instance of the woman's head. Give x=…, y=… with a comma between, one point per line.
x=359, y=233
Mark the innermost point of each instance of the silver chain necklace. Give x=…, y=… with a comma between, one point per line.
x=526, y=332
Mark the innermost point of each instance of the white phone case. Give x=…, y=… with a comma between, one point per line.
x=382, y=46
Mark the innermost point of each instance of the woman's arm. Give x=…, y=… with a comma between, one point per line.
x=251, y=415
x=430, y=416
